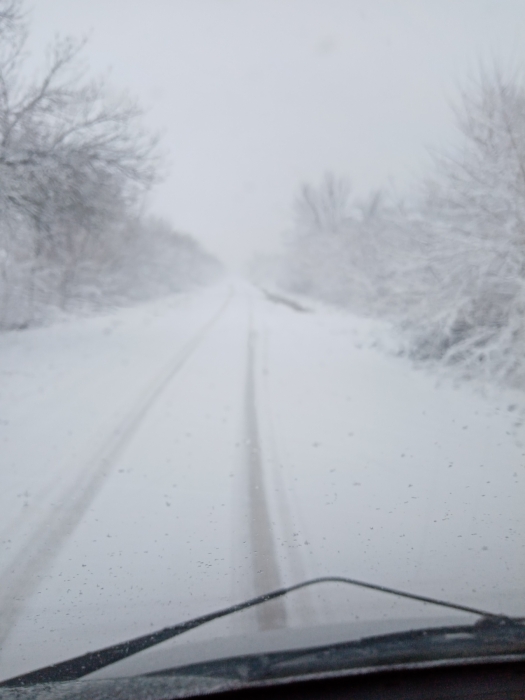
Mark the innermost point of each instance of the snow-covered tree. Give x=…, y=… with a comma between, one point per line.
x=475, y=208
x=450, y=269
x=74, y=166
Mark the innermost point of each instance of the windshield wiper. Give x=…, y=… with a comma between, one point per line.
x=489, y=640
x=80, y=666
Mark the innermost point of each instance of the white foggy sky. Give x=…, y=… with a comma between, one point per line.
x=256, y=96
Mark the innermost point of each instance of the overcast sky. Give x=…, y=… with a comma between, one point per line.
x=255, y=97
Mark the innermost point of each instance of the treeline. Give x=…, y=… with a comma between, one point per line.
x=75, y=167
x=450, y=267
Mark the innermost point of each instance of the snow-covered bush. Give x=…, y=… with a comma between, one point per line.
x=474, y=208
x=450, y=270
x=136, y=259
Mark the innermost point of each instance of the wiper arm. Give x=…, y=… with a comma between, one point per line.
x=80, y=666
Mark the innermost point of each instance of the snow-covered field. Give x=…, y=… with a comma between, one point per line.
x=166, y=460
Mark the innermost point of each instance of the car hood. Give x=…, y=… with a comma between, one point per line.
x=188, y=670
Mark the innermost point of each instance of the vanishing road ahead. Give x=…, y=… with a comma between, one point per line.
x=167, y=460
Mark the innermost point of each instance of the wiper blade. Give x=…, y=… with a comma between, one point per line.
x=80, y=666
x=491, y=640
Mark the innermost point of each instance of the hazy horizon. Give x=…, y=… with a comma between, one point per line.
x=254, y=98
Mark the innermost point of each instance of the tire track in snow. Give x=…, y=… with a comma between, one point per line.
x=48, y=491
x=292, y=564
x=266, y=575
x=25, y=570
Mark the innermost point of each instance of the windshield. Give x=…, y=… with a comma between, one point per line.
x=262, y=297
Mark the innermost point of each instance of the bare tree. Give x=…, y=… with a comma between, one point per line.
x=323, y=210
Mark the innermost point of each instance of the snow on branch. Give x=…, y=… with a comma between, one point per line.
x=449, y=270
x=75, y=164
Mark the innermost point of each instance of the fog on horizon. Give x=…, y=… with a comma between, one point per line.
x=253, y=99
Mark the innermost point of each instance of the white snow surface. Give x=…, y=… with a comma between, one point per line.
x=162, y=461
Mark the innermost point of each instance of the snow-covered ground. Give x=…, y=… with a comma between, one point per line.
x=391, y=473
x=163, y=461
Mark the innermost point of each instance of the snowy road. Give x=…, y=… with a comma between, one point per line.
x=163, y=461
